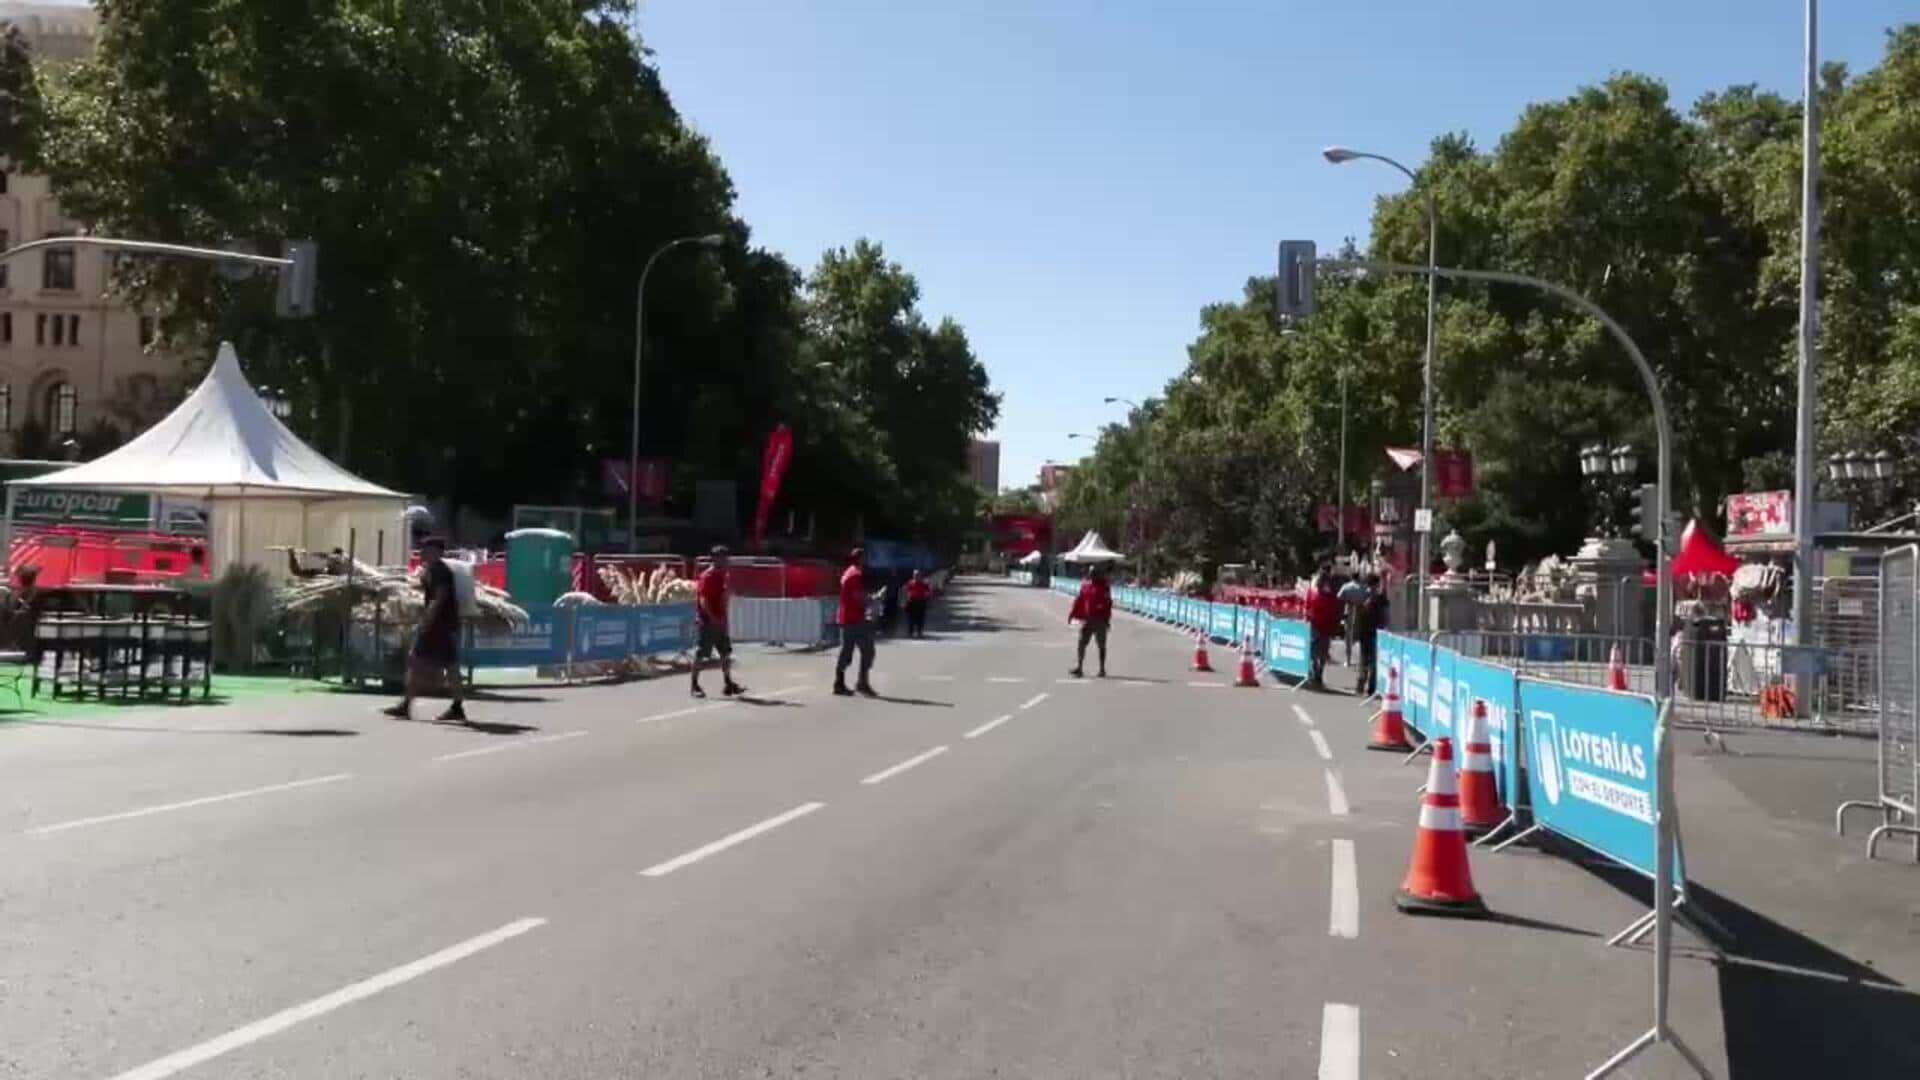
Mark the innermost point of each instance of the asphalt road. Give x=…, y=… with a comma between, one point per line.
x=993, y=871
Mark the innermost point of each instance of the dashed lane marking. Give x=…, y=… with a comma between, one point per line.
x=725, y=842
x=917, y=759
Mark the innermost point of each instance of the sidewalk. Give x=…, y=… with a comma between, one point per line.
x=1821, y=975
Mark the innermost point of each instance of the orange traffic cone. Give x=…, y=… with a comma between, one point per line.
x=1480, y=809
x=1438, y=880
x=1200, y=661
x=1246, y=677
x=1616, y=671
x=1390, y=728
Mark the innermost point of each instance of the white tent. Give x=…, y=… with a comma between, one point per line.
x=1031, y=558
x=266, y=487
x=1091, y=549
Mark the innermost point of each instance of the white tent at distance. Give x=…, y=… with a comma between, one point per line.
x=1091, y=549
x=265, y=486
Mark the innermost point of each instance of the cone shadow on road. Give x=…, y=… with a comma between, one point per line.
x=1526, y=923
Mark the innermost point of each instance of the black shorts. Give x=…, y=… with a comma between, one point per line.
x=438, y=647
x=713, y=639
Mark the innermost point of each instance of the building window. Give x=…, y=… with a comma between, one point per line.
x=59, y=329
x=73, y=330
x=6, y=408
x=63, y=405
x=57, y=269
x=6, y=327
x=40, y=328
x=6, y=241
x=147, y=330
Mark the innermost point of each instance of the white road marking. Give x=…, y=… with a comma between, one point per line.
x=800, y=689
x=986, y=727
x=1336, y=795
x=233, y=1040
x=725, y=842
x=1320, y=744
x=1005, y=679
x=514, y=745
x=1343, y=919
x=1339, y=1042
x=1302, y=714
x=896, y=770
x=1208, y=685
x=936, y=678
x=1074, y=681
x=1032, y=701
x=190, y=803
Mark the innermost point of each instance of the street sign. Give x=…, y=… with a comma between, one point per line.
x=1423, y=520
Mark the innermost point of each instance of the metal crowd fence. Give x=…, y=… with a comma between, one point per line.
x=1718, y=684
x=1897, y=611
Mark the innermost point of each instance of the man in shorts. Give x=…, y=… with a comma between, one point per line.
x=1093, y=607
x=856, y=630
x=710, y=615
x=436, y=647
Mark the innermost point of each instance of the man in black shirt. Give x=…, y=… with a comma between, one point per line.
x=1369, y=620
x=435, y=652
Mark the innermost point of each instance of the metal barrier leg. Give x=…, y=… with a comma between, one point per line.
x=1633, y=931
x=1511, y=819
x=1840, y=814
x=1515, y=838
x=1873, y=838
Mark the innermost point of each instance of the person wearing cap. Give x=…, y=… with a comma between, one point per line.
x=856, y=630
x=436, y=647
x=710, y=615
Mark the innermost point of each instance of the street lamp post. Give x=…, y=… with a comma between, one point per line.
x=1340, y=496
x=1339, y=155
x=710, y=240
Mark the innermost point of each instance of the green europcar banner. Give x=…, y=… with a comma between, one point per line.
x=68, y=506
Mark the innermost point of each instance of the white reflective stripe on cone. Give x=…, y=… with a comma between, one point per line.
x=1478, y=759
x=1440, y=818
x=1441, y=781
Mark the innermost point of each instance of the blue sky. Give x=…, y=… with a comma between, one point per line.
x=1072, y=180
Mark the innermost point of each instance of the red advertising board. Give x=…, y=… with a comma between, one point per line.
x=1358, y=523
x=1019, y=534
x=1760, y=513
x=654, y=475
x=1452, y=474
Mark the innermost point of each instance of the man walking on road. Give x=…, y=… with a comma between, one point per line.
x=1368, y=622
x=710, y=614
x=919, y=593
x=856, y=631
x=1094, y=608
x=435, y=652
x=1323, y=621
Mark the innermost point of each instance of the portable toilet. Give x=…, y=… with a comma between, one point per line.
x=539, y=566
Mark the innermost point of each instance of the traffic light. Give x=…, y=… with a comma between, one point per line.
x=1293, y=289
x=1646, y=514
x=297, y=282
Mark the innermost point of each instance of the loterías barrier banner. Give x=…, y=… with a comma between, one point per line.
x=773, y=467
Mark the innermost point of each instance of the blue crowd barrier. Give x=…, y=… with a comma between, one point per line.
x=558, y=635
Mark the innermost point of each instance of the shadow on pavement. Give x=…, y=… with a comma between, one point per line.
x=479, y=694
x=914, y=701
x=767, y=703
x=302, y=733
x=485, y=727
x=1793, y=1007
x=1525, y=923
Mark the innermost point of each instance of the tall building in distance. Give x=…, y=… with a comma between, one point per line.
x=983, y=464
x=70, y=353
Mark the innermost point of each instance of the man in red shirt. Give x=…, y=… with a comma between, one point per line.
x=1094, y=608
x=856, y=632
x=919, y=592
x=710, y=615
x=1323, y=621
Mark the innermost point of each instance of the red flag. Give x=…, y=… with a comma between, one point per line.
x=773, y=467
